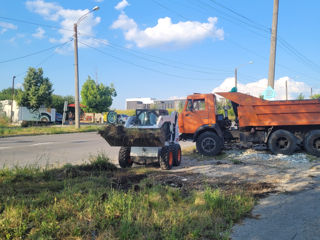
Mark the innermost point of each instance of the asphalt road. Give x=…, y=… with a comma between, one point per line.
x=54, y=150
x=295, y=215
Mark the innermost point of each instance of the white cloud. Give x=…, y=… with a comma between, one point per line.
x=168, y=33
x=98, y=1
x=4, y=26
x=67, y=17
x=256, y=88
x=18, y=36
x=121, y=5
x=39, y=33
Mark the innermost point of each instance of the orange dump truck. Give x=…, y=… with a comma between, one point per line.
x=281, y=126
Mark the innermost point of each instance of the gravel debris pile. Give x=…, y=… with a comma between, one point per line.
x=251, y=154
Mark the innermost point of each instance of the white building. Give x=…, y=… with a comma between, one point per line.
x=147, y=103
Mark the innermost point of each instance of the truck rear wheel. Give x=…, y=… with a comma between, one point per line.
x=177, y=155
x=124, y=157
x=209, y=144
x=45, y=118
x=166, y=158
x=312, y=142
x=282, y=142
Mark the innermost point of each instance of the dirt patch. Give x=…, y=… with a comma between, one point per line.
x=251, y=169
x=189, y=181
x=125, y=180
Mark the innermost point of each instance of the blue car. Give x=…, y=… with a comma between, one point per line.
x=58, y=117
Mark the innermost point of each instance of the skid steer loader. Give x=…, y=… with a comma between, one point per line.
x=151, y=136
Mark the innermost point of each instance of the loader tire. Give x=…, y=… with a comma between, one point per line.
x=166, y=158
x=177, y=154
x=209, y=144
x=312, y=143
x=124, y=157
x=282, y=142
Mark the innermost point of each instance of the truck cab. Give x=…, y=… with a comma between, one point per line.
x=199, y=122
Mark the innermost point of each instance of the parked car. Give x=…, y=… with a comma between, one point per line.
x=122, y=118
x=58, y=117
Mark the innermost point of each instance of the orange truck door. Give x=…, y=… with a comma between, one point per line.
x=195, y=115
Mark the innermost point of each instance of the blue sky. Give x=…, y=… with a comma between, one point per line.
x=161, y=48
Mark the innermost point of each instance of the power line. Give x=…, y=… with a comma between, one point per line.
x=144, y=67
x=149, y=58
x=283, y=43
x=42, y=61
x=35, y=53
x=257, y=29
x=35, y=23
x=209, y=30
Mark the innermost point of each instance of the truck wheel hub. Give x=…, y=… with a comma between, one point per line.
x=208, y=144
x=282, y=143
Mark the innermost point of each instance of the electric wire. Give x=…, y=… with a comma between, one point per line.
x=145, y=67
x=257, y=26
x=34, y=23
x=34, y=53
x=282, y=42
x=149, y=58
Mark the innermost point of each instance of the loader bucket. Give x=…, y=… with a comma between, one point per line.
x=118, y=135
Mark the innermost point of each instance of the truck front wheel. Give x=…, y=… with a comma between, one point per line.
x=209, y=144
x=282, y=142
x=312, y=142
x=124, y=157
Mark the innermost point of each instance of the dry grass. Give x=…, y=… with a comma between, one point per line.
x=97, y=201
x=6, y=131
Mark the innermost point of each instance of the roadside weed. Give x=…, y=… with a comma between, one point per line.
x=97, y=201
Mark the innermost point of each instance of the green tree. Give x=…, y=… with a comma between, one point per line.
x=58, y=102
x=96, y=97
x=300, y=96
x=37, y=90
x=315, y=96
x=6, y=94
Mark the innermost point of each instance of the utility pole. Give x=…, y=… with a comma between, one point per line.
x=11, y=115
x=272, y=60
x=311, y=93
x=287, y=90
x=236, y=77
x=76, y=96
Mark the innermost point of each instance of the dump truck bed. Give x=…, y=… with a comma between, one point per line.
x=254, y=111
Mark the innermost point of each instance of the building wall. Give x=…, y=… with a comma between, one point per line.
x=159, y=104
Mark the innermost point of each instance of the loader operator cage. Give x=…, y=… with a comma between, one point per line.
x=149, y=117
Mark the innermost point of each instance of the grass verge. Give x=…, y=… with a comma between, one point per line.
x=98, y=201
x=6, y=131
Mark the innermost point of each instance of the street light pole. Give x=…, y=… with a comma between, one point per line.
x=76, y=97
x=76, y=66
x=12, y=98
